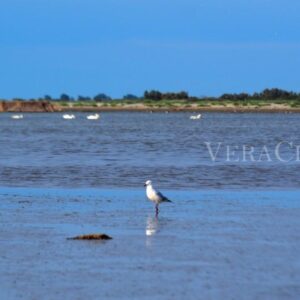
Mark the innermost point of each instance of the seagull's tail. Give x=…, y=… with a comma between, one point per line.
x=167, y=200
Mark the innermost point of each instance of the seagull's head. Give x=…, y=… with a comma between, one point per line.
x=148, y=182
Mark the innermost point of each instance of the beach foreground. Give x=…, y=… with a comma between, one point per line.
x=209, y=244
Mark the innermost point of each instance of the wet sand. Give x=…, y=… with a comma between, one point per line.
x=211, y=244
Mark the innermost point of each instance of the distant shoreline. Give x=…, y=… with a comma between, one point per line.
x=215, y=108
x=151, y=106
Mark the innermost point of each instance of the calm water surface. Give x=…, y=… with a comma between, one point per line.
x=124, y=149
x=232, y=231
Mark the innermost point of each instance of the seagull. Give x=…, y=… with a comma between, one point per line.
x=17, y=117
x=93, y=117
x=197, y=117
x=68, y=117
x=154, y=195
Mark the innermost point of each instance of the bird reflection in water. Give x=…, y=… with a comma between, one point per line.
x=152, y=226
x=155, y=225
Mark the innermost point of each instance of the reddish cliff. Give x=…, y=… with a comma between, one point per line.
x=28, y=106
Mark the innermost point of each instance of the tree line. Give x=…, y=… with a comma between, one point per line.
x=266, y=94
x=66, y=98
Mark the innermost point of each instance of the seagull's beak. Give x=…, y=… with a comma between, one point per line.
x=145, y=184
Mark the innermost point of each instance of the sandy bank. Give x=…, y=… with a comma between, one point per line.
x=45, y=106
x=28, y=106
x=192, y=108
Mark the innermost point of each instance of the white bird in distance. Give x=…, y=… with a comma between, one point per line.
x=93, y=117
x=68, y=117
x=196, y=117
x=17, y=117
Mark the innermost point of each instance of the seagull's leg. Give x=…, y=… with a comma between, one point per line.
x=156, y=210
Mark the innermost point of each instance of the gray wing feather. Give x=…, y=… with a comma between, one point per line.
x=163, y=197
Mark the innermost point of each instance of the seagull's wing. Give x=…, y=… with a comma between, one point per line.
x=163, y=198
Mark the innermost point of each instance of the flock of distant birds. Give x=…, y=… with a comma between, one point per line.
x=89, y=117
x=64, y=116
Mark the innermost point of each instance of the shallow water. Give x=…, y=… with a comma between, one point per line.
x=232, y=231
x=206, y=245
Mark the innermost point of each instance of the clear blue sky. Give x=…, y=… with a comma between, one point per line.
x=126, y=46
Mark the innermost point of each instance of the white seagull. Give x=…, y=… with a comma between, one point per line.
x=155, y=196
x=17, y=117
x=93, y=117
x=68, y=117
x=197, y=117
